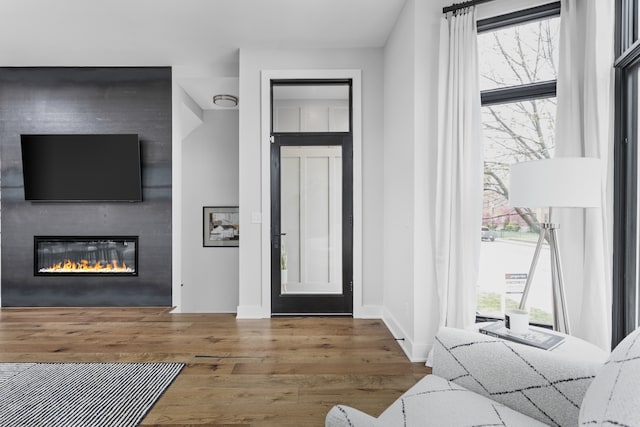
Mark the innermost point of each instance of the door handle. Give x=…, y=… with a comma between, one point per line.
x=275, y=239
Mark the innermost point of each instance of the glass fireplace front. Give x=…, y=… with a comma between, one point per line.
x=86, y=255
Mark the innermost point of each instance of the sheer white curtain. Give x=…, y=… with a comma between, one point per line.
x=460, y=170
x=584, y=125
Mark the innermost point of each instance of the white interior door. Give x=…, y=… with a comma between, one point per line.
x=311, y=219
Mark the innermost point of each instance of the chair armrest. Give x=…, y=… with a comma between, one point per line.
x=341, y=415
x=546, y=386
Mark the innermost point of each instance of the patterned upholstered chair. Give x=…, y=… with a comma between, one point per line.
x=479, y=380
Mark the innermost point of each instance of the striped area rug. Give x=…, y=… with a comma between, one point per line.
x=81, y=394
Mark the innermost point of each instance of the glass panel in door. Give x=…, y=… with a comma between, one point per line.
x=311, y=219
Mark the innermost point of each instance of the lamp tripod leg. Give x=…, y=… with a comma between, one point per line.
x=561, y=314
x=532, y=269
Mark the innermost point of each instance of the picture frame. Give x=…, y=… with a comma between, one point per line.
x=220, y=226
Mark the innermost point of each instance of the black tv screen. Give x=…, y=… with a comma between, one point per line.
x=81, y=167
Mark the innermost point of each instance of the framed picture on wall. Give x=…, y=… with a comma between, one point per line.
x=221, y=226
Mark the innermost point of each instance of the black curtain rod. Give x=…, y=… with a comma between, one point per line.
x=458, y=6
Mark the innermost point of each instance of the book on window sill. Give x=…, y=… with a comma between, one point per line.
x=534, y=337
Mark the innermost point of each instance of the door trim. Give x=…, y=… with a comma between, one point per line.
x=359, y=311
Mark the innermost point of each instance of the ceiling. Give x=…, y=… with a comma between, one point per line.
x=183, y=32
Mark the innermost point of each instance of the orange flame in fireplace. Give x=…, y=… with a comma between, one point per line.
x=85, y=266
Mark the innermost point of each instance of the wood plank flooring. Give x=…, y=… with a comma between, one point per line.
x=268, y=372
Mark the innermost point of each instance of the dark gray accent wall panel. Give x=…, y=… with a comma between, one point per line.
x=87, y=100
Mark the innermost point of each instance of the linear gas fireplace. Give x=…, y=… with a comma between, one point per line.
x=85, y=255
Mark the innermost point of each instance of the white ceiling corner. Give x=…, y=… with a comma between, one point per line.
x=185, y=33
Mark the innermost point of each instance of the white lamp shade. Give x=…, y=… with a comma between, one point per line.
x=564, y=182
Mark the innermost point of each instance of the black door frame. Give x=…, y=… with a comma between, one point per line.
x=625, y=172
x=335, y=304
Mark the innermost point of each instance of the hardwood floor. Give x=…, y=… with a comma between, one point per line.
x=284, y=372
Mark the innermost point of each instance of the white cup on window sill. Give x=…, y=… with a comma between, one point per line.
x=517, y=321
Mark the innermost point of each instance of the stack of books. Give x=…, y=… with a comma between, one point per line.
x=534, y=337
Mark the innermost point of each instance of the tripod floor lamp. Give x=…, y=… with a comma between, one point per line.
x=564, y=182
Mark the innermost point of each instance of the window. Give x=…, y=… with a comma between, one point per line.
x=310, y=106
x=518, y=56
x=626, y=254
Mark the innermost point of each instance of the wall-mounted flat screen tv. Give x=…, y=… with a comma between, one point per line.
x=82, y=168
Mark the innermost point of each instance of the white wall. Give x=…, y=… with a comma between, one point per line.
x=209, y=178
x=180, y=127
x=252, y=62
x=399, y=96
x=427, y=32
x=187, y=116
x=410, y=129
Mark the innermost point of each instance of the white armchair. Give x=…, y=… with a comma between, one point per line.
x=480, y=380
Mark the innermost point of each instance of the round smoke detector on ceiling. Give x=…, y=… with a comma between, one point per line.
x=226, y=101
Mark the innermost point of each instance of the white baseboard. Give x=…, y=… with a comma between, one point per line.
x=420, y=352
x=251, y=312
x=416, y=352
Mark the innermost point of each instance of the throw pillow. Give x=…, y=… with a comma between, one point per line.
x=613, y=398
